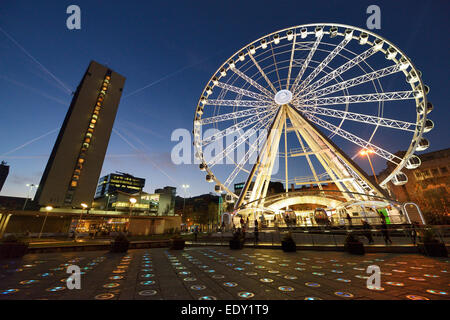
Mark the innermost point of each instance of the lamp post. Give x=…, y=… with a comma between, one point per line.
x=184, y=186
x=47, y=209
x=366, y=152
x=84, y=206
x=132, y=202
x=31, y=186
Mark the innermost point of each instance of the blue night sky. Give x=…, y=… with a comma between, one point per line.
x=171, y=48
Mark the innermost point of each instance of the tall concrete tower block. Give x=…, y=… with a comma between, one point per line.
x=72, y=172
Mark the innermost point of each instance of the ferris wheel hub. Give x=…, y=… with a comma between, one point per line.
x=283, y=97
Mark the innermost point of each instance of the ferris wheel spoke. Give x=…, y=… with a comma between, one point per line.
x=377, y=74
x=238, y=126
x=240, y=166
x=340, y=70
x=360, y=98
x=241, y=91
x=232, y=115
x=323, y=64
x=291, y=61
x=252, y=82
x=353, y=138
x=307, y=60
x=352, y=116
x=262, y=73
x=239, y=141
x=239, y=103
x=275, y=65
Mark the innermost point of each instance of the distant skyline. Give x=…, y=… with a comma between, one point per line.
x=167, y=52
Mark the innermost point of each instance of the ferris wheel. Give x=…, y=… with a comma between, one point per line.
x=298, y=106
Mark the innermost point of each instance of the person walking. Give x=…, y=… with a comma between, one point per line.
x=195, y=233
x=349, y=219
x=368, y=234
x=414, y=232
x=256, y=232
x=385, y=232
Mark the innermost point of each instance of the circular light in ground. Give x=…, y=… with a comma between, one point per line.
x=147, y=292
x=218, y=276
x=286, y=289
x=230, y=284
x=443, y=293
x=417, y=279
x=344, y=294
x=207, y=298
x=414, y=297
x=9, y=291
x=343, y=280
x=266, y=280
x=111, y=285
x=246, y=295
x=198, y=287
x=147, y=283
x=312, y=284
x=375, y=288
x=312, y=298
x=395, y=284
x=119, y=271
x=28, y=281
x=104, y=296
x=190, y=279
x=251, y=273
x=290, y=277
x=147, y=275
x=55, y=289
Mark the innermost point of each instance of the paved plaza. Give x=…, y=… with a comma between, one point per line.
x=224, y=274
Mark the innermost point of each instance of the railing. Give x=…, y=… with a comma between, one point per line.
x=397, y=235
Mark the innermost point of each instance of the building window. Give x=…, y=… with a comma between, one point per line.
x=444, y=170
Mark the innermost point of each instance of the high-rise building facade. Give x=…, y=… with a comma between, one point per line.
x=4, y=171
x=72, y=172
x=119, y=182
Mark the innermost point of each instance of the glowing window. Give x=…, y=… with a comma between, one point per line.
x=80, y=160
x=93, y=121
x=92, y=126
x=107, y=77
x=73, y=184
x=86, y=145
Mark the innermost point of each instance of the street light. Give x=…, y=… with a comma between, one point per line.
x=132, y=202
x=47, y=209
x=184, y=186
x=85, y=207
x=31, y=186
x=366, y=152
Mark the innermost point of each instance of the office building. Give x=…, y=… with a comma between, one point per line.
x=4, y=171
x=72, y=172
x=123, y=182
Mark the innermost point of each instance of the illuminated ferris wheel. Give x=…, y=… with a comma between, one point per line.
x=298, y=105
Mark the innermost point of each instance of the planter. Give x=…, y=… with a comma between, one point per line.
x=433, y=249
x=236, y=244
x=13, y=249
x=354, y=247
x=176, y=244
x=288, y=246
x=119, y=246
